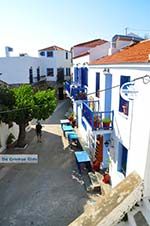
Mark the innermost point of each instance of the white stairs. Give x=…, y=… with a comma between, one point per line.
x=139, y=215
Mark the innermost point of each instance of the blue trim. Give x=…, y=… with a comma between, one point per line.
x=108, y=93
x=97, y=88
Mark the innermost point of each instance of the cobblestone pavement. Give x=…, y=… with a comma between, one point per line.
x=47, y=193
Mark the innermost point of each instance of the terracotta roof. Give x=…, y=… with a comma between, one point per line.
x=82, y=54
x=136, y=53
x=53, y=48
x=91, y=44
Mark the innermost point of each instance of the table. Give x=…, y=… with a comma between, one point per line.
x=81, y=157
x=67, y=128
x=64, y=122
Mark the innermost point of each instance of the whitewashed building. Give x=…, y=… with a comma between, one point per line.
x=125, y=143
x=53, y=63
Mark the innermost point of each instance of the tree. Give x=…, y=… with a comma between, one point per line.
x=28, y=105
x=7, y=101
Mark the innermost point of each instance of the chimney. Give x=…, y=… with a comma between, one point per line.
x=8, y=50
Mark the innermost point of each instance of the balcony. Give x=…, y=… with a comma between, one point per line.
x=97, y=120
x=76, y=92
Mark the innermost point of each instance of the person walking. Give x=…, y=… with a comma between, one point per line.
x=39, y=132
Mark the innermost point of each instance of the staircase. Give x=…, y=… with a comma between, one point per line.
x=117, y=205
x=139, y=215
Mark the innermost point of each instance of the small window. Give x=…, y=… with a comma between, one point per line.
x=30, y=75
x=38, y=73
x=50, y=72
x=97, y=85
x=68, y=71
x=49, y=53
x=124, y=104
x=66, y=55
x=42, y=53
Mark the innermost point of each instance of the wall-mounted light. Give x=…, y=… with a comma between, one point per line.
x=106, y=70
x=107, y=143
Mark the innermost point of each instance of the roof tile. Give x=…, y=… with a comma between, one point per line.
x=137, y=53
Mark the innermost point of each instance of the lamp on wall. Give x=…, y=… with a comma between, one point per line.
x=106, y=70
x=107, y=143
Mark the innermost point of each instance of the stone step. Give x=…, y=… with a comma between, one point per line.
x=139, y=216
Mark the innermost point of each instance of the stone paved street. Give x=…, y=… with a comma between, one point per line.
x=43, y=194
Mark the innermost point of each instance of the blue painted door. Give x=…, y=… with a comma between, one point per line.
x=84, y=77
x=75, y=74
x=122, y=159
x=108, y=93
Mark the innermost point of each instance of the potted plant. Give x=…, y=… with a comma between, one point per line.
x=106, y=123
x=97, y=122
x=10, y=140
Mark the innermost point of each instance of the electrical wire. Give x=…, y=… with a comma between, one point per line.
x=145, y=78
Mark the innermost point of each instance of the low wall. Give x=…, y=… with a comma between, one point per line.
x=5, y=131
x=111, y=208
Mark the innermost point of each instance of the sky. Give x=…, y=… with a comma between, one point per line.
x=30, y=25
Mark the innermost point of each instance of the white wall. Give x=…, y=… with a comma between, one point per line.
x=81, y=60
x=16, y=69
x=131, y=131
x=77, y=50
x=99, y=51
x=5, y=131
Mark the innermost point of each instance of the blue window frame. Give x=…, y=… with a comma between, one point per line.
x=122, y=159
x=68, y=71
x=123, y=104
x=50, y=54
x=42, y=53
x=76, y=74
x=84, y=76
x=38, y=74
x=66, y=55
x=97, y=84
x=50, y=72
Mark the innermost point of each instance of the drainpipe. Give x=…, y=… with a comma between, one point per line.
x=131, y=125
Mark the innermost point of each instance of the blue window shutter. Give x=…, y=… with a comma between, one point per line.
x=76, y=74
x=80, y=75
x=123, y=79
x=84, y=77
x=97, y=83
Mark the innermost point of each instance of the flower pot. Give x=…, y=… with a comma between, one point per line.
x=106, y=125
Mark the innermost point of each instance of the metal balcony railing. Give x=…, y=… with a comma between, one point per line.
x=97, y=120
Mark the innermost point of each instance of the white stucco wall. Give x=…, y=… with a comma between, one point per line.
x=81, y=60
x=5, y=131
x=16, y=69
x=129, y=130
x=79, y=49
x=99, y=51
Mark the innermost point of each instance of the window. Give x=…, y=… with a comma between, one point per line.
x=50, y=72
x=68, y=71
x=124, y=104
x=30, y=75
x=42, y=53
x=66, y=55
x=38, y=74
x=97, y=84
x=60, y=74
x=49, y=53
